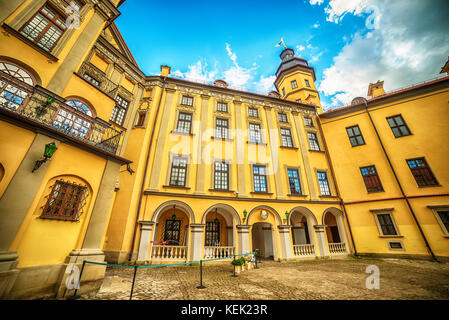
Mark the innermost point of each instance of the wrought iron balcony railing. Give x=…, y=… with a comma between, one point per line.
x=98, y=79
x=48, y=109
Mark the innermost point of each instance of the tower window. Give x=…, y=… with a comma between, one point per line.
x=283, y=91
x=294, y=84
x=421, y=172
x=307, y=83
x=398, y=126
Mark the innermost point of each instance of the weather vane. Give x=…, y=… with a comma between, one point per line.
x=281, y=42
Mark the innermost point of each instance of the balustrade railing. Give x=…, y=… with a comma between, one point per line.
x=218, y=252
x=44, y=107
x=301, y=250
x=337, y=248
x=169, y=252
x=98, y=78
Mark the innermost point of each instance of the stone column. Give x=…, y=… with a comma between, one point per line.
x=274, y=153
x=284, y=235
x=321, y=238
x=243, y=238
x=196, y=243
x=240, y=151
x=303, y=146
x=201, y=166
x=146, y=229
x=161, y=139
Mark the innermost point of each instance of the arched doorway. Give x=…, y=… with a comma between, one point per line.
x=219, y=235
x=171, y=236
x=303, y=238
x=262, y=235
x=335, y=232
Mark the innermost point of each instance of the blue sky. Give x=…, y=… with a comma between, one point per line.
x=350, y=43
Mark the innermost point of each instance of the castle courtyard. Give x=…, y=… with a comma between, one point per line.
x=339, y=279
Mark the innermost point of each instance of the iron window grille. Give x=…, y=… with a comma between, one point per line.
x=371, y=179
x=45, y=28
x=172, y=232
x=286, y=138
x=187, y=101
x=293, y=180
x=398, y=126
x=119, y=111
x=212, y=233
x=323, y=183
x=221, y=176
x=255, y=133
x=260, y=179
x=421, y=172
x=313, y=141
x=221, y=128
x=184, y=122
x=222, y=106
x=178, y=172
x=355, y=136
x=386, y=224
x=66, y=201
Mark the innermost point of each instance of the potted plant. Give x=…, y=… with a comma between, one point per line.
x=239, y=264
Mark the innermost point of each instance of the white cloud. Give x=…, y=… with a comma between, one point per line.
x=237, y=76
x=402, y=46
x=300, y=48
x=316, y=25
x=197, y=72
x=265, y=84
x=318, y=2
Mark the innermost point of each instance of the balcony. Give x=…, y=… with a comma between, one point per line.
x=98, y=79
x=36, y=105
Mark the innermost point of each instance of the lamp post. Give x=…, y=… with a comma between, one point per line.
x=50, y=149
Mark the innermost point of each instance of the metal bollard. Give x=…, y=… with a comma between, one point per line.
x=234, y=275
x=201, y=276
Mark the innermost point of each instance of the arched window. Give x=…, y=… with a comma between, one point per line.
x=75, y=120
x=15, y=85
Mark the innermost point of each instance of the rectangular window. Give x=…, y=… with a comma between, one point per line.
x=221, y=176
x=91, y=79
x=371, y=179
x=293, y=181
x=187, y=101
x=140, y=119
x=45, y=28
x=254, y=133
x=398, y=126
x=308, y=121
x=444, y=217
x=307, y=83
x=323, y=183
x=223, y=107
x=253, y=112
x=386, y=224
x=282, y=117
x=260, y=179
x=221, y=128
x=286, y=138
x=421, y=172
x=172, y=232
x=65, y=201
x=178, y=172
x=313, y=141
x=355, y=136
x=283, y=91
x=212, y=233
x=184, y=122
x=294, y=84
x=119, y=111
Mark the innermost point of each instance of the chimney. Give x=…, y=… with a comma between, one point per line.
x=220, y=83
x=165, y=71
x=376, y=89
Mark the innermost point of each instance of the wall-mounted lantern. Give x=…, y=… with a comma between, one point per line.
x=49, y=151
x=244, y=215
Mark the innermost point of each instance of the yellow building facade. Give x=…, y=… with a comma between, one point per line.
x=152, y=169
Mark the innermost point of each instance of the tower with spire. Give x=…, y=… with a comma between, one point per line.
x=295, y=80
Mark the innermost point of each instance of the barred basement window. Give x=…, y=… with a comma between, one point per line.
x=395, y=245
x=371, y=179
x=286, y=138
x=221, y=128
x=212, y=233
x=221, y=176
x=119, y=111
x=293, y=181
x=223, y=107
x=355, y=136
x=421, y=172
x=260, y=179
x=184, y=122
x=172, y=231
x=398, y=126
x=45, y=28
x=178, y=172
x=65, y=201
x=187, y=101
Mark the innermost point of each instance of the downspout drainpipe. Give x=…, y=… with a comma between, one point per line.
x=146, y=168
x=336, y=184
x=399, y=184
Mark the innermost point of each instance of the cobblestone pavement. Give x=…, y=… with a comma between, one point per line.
x=303, y=280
